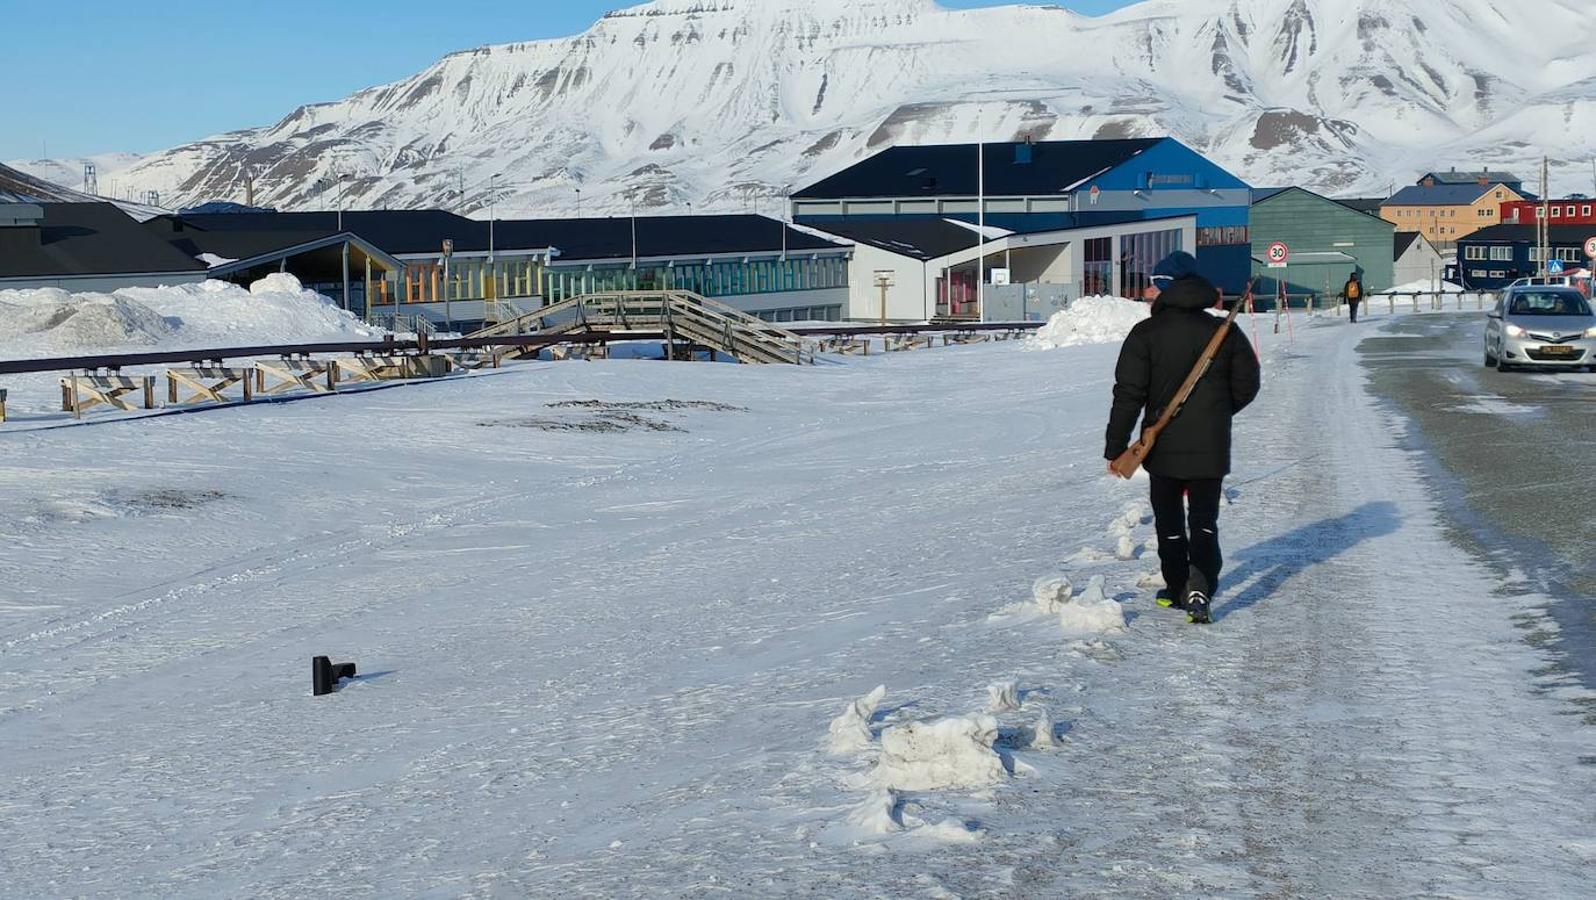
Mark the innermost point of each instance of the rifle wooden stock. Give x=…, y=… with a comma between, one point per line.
x=1132, y=459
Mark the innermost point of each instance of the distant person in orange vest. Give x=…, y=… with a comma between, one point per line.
x=1353, y=294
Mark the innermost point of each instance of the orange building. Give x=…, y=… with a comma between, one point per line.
x=1445, y=212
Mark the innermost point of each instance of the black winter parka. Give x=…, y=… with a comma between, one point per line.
x=1153, y=363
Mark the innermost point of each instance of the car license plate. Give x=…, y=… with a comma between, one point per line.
x=1558, y=350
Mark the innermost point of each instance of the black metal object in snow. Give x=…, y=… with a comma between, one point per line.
x=324, y=675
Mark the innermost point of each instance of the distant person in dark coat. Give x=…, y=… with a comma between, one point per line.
x=1188, y=465
x=1352, y=292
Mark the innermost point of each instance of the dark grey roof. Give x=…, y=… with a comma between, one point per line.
x=395, y=231
x=235, y=244
x=87, y=239
x=657, y=236
x=951, y=170
x=1370, y=205
x=1404, y=240
x=1521, y=234
x=1455, y=177
x=423, y=231
x=915, y=238
x=1259, y=195
x=930, y=238
x=1440, y=195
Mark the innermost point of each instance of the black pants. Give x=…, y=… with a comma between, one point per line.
x=1353, y=305
x=1188, y=541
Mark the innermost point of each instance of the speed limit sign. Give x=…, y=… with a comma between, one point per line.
x=1278, y=254
x=1590, y=248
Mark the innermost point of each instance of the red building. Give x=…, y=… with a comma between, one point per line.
x=1561, y=212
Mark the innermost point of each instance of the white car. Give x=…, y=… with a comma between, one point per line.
x=1537, y=327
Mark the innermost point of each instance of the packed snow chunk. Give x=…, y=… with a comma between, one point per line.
x=1089, y=320
x=1042, y=737
x=953, y=831
x=1003, y=696
x=1125, y=549
x=277, y=283
x=850, y=732
x=1051, y=592
x=1093, y=611
x=878, y=814
x=947, y=753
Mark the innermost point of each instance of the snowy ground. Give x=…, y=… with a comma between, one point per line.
x=603, y=649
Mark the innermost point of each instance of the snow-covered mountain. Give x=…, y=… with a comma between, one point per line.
x=722, y=104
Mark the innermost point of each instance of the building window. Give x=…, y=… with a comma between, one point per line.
x=1585, y=210
x=1139, y=253
x=1228, y=235
x=1568, y=254
x=1501, y=254
x=1474, y=252
x=1097, y=271
x=1557, y=212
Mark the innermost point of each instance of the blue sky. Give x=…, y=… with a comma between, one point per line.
x=93, y=76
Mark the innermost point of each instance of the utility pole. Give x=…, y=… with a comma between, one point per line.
x=1545, y=217
x=883, y=284
x=493, y=200
x=980, y=202
x=91, y=180
x=579, y=203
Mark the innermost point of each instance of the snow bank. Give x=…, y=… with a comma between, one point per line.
x=1093, y=611
x=1425, y=286
x=850, y=732
x=275, y=310
x=1089, y=320
x=947, y=753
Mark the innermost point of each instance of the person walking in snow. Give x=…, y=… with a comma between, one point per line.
x=1188, y=464
x=1352, y=292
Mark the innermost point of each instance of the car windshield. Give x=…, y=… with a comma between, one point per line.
x=1549, y=303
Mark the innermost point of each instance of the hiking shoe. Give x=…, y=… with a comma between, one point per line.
x=1197, y=608
x=1168, y=599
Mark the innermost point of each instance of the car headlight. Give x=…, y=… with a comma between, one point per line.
x=1514, y=331
x=1591, y=332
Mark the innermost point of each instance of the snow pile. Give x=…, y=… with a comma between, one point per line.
x=850, y=732
x=946, y=753
x=1424, y=286
x=882, y=813
x=1042, y=737
x=1051, y=592
x=1093, y=611
x=878, y=814
x=275, y=310
x=1089, y=320
x=1004, y=696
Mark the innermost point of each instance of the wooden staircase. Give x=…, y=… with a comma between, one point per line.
x=682, y=315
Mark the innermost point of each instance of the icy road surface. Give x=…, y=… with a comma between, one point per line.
x=602, y=649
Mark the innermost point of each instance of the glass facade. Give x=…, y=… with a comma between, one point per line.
x=471, y=278
x=729, y=278
x=1139, y=253
x=1097, y=273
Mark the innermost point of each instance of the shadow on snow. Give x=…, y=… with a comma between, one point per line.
x=1266, y=566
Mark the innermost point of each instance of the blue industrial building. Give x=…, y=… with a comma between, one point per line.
x=1050, y=186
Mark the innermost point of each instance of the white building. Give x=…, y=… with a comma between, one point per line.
x=1416, y=259
x=913, y=270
